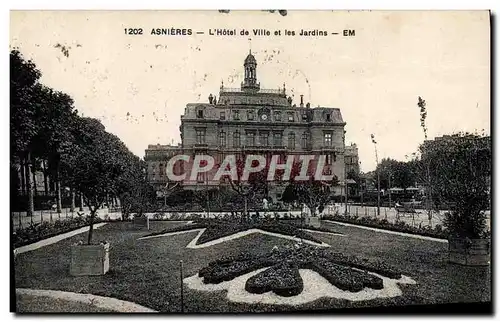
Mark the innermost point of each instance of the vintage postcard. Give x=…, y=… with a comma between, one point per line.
x=250, y=161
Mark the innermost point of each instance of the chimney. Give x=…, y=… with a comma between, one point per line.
x=301, y=100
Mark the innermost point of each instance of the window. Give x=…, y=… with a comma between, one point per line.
x=304, y=116
x=328, y=159
x=236, y=115
x=328, y=117
x=162, y=170
x=200, y=136
x=264, y=139
x=277, y=116
x=290, y=117
x=250, y=116
x=277, y=139
x=199, y=114
x=222, y=139
x=291, y=140
x=328, y=139
x=305, y=140
x=222, y=115
x=236, y=139
x=250, y=139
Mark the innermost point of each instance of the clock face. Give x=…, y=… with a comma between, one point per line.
x=264, y=117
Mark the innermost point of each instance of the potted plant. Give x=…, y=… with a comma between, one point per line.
x=460, y=171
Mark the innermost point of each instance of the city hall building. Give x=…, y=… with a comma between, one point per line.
x=254, y=120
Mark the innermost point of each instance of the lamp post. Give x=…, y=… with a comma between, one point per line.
x=378, y=175
x=345, y=175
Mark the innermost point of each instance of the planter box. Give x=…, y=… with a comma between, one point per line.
x=141, y=222
x=474, y=252
x=89, y=260
x=313, y=221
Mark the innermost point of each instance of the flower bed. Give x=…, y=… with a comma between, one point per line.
x=219, y=228
x=399, y=226
x=38, y=231
x=282, y=279
x=348, y=273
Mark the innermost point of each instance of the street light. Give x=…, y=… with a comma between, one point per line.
x=378, y=175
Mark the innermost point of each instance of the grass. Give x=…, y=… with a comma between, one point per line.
x=43, y=304
x=147, y=271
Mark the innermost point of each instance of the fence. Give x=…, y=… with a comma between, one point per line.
x=21, y=220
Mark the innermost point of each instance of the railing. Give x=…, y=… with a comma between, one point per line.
x=262, y=90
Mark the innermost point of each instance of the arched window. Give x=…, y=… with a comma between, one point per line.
x=236, y=139
x=291, y=140
x=162, y=170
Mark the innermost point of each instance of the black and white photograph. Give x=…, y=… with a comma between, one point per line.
x=250, y=161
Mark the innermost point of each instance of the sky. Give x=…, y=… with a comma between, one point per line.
x=139, y=85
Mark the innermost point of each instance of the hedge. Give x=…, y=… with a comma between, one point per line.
x=39, y=231
x=400, y=226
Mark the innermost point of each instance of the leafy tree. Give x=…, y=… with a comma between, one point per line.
x=96, y=162
x=24, y=92
x=315, y=194
x=461, y=175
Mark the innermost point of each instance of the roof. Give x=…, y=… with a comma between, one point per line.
x=250, y=59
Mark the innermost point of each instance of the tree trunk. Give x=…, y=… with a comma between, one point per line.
x=245, y=210
x=81, y=202
x=23, y=177
x=58, y=195
x=72, y=207
x=45, y=178
x=91, y=226
x=35, y=192
x=29, y=186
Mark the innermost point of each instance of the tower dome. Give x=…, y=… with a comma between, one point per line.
x=250, y=59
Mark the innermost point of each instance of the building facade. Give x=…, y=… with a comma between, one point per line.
x=253, y=120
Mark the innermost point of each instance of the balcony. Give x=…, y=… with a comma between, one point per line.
x=200, y=146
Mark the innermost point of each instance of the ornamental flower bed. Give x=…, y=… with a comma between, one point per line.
x=219, y=228
x=38, y=231
x=348, y=273
x=437, y=232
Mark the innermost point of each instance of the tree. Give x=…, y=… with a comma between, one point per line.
x=461, y=176
x=248, y=189
x=96, y=162
x=315, y=194
x=24, y=91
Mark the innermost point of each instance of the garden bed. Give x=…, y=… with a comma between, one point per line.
x=217, y=228
x=348, y=273
x=39, y=231
x=402, y=227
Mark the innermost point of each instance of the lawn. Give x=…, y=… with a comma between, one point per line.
x=147, y=271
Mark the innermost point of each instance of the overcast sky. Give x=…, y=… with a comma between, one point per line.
x=138, y=85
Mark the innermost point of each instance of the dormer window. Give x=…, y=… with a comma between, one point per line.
x=277, y=116
x=328, y=117
x=304, y=116
x=290, y=117
x=199, y=114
